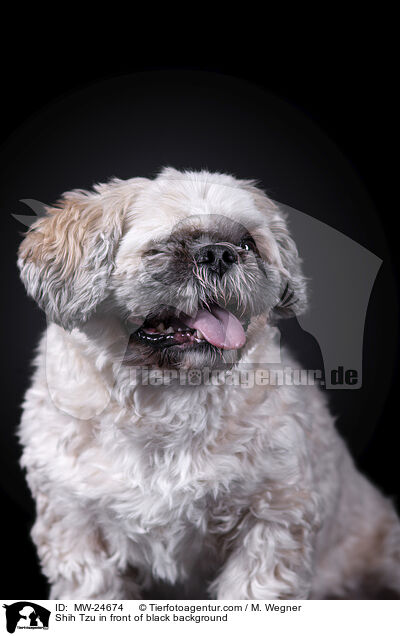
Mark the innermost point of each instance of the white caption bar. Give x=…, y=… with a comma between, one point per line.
x=205, y=617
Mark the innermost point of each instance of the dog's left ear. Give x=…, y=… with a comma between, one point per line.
x=293, y=292
x=67, y=256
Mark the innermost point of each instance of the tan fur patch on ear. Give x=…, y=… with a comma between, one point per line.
x=66, y=257
x=60, y=238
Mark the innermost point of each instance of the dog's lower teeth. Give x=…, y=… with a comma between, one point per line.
x=169, y=330
x=199, y=335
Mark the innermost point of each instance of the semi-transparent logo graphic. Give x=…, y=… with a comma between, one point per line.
x=340, y=274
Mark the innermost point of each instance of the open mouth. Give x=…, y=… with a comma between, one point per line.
x=210, y=326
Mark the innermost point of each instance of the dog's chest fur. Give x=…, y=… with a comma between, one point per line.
x=166, y=472
x=179, y=475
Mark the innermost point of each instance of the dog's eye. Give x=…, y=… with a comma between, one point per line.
x=247, y=243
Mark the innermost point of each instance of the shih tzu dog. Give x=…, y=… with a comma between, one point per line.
x=141, y=476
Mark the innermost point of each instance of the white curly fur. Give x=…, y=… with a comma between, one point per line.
x=249, y=489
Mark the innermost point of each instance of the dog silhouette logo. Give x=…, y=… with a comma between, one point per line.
x=26, y=615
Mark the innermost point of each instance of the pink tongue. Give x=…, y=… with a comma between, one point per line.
x=220, y=328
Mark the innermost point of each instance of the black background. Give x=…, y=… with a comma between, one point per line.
x=350, y=100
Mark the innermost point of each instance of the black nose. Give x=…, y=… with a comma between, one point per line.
x=216, y=257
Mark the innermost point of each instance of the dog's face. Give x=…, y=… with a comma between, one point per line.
x=192, y=264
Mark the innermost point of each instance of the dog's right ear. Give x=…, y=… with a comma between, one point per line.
x=67, y=256
x=293, y=292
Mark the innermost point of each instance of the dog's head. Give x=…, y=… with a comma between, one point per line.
x=193, y=264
